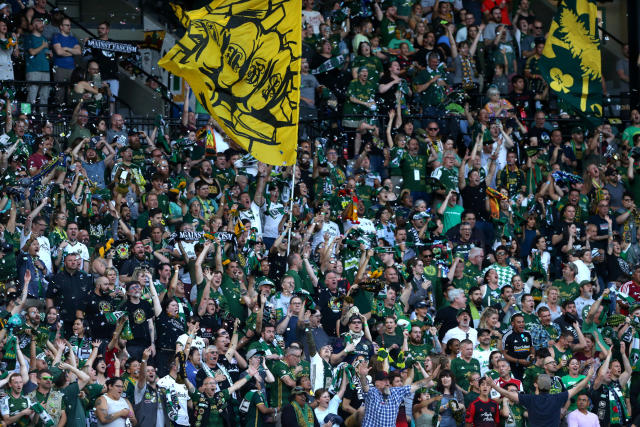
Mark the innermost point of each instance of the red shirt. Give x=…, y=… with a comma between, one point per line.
x=487, y=5
x=502, y=383
x=37, y=160
x=483, y=413
x=109, y=357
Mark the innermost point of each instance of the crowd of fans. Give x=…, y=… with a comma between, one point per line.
x=442, y=258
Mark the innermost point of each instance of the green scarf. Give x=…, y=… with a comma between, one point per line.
x=304, y=415
x=617, y=407
x=45, y=418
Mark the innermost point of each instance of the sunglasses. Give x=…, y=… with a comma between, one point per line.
x=433, y=128
x=46, y=377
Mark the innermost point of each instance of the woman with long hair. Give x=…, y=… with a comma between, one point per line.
x=452, y=402
x=193, y=365
x=422, y=414
x=8, y=50
x=58, y=233
x=490, y=319
x=31, y=270
x=366, y=59
x=81, y=339
x=100, y=367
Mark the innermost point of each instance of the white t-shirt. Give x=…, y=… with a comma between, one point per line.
x=253, y=215
x=80, y=249
x=313, y=18
x=578, y=419
x=197, y=342
x=45, y=249
x=482, y=356
x=181, y=391
x=272, y=216
x=329, y=227
x=334, y=403
x=460, y=335
x=114, y=406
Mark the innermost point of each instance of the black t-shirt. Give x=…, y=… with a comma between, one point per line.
x=70, y=293
x=523, y=102
x=169, y=329
x=448, y=317
x=138, y=316
x=473, y=200
x=129, y=265
x=355, y=396
x=422, y=56
x=95, y=312
x=277, y=266
x=561, y=227
x=517, y=345
x=603, y=230
x=208, y=325
x=330, y=310
x=223, y=365
x=108, y=63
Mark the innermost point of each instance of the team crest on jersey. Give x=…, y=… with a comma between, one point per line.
x=139, y=316
x=105, y=307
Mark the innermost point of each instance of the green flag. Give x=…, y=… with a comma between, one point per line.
x=571, y=62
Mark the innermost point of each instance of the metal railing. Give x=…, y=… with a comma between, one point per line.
x=165, y=90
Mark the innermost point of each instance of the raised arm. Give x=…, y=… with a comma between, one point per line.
x=628, y=370
x=511, y=395
x=582, y=384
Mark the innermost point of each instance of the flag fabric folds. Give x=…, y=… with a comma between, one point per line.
x=242, y=60
x=571, y=61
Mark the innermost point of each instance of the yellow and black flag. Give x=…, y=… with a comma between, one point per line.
x=242, y=60
x=571, y=62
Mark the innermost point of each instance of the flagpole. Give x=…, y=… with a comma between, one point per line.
x=293, y=185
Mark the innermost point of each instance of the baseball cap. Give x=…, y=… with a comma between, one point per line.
x=421, y=304
x=254, y=352
x=381, y=376
x=298, y=390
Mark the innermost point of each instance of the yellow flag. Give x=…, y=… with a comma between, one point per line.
x=242, y=60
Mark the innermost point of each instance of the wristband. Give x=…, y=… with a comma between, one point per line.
x=144, y=361
x=247, y=377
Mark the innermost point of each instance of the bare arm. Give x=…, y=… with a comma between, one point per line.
x=511, y=395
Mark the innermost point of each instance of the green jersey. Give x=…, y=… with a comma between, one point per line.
x=420, y=352
x=462, y=369
x=10, y=405
x=279, y=392
x=373, y=64
x=447, y=177
x=559, y=356
x=252, y=417
x=362, y=92
x=414, y=172
x=232, y=300
x=569, y=382
x=434, y=94
x=568, y=291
